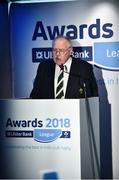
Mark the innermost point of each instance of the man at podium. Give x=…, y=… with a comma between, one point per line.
x=64, y=76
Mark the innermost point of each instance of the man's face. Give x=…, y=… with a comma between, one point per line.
x=61, y=51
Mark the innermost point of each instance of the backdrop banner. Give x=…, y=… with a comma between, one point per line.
x=94, y=29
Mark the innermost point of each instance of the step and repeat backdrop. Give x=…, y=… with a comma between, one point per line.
x=94, y=30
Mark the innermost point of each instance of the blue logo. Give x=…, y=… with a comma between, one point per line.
x=106, y=55
x=46, y=135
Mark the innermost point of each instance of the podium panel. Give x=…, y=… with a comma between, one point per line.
x=90, y=138
x=41, y=138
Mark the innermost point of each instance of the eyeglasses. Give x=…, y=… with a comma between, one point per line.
x=60, y=51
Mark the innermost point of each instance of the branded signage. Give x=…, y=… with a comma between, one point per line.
x=94, y=31
x=108, y=58
x=42, y=129
x=40, y=136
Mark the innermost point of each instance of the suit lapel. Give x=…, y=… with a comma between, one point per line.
x=71, y=81
x=52, y=73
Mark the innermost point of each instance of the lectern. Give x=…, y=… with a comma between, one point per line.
x=49, y=136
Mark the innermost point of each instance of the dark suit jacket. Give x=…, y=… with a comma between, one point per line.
x=81, y=72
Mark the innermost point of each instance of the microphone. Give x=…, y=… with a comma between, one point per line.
x=62, y=67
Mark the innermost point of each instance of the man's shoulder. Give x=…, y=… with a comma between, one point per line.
x=80, y=62
x=46, y=63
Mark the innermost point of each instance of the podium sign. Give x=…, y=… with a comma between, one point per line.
x=43, y=136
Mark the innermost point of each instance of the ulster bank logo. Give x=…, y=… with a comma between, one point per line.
x=42, y=54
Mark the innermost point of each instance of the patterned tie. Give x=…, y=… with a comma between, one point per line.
x=60, y=82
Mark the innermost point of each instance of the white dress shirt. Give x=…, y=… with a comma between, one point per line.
x=67, y=67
